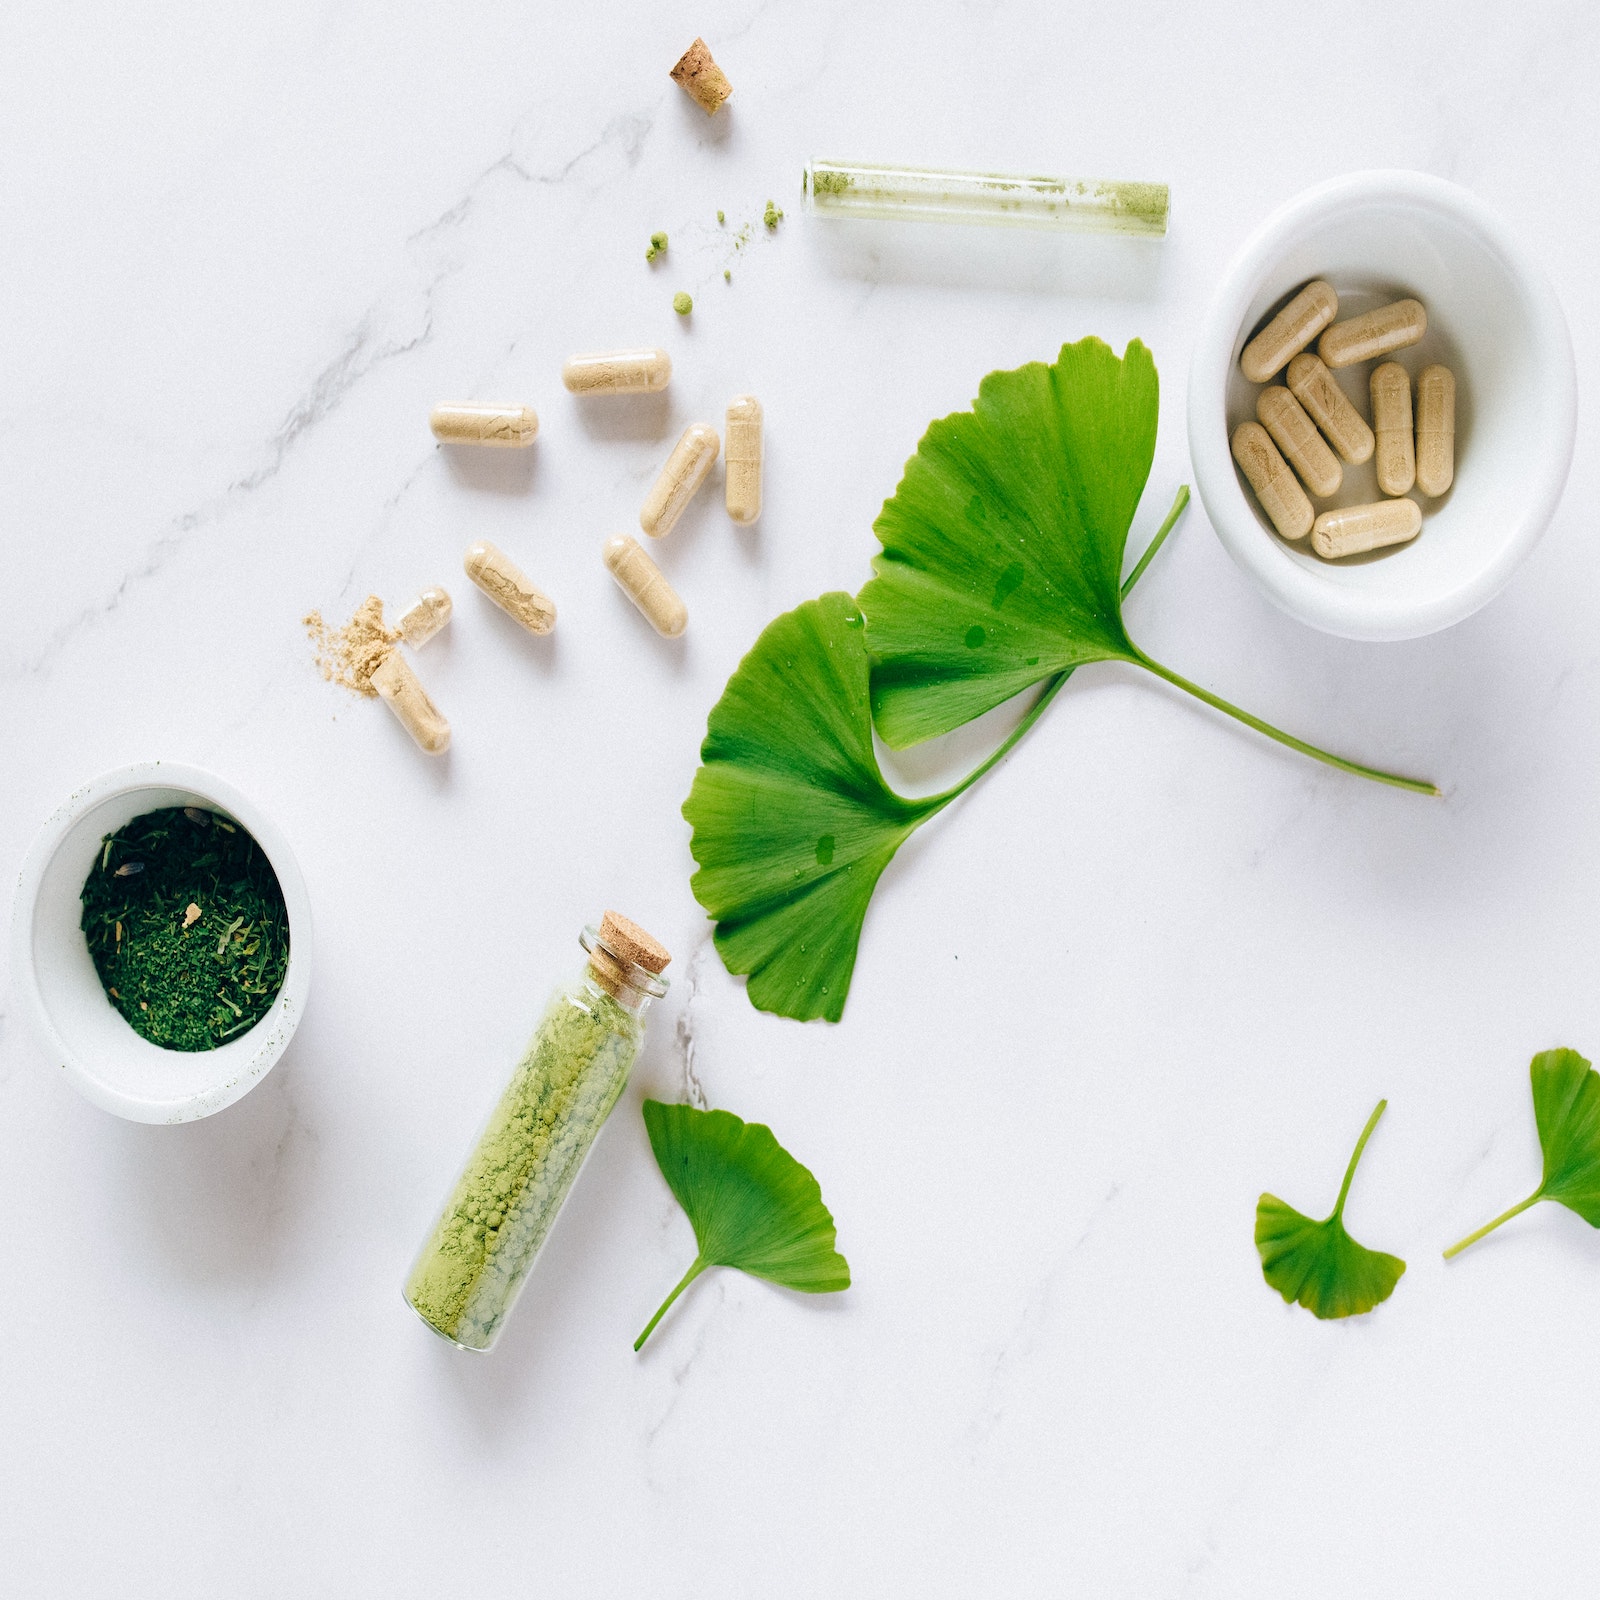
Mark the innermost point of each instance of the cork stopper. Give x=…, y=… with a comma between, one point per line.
x=702, y=77
x=632, y=943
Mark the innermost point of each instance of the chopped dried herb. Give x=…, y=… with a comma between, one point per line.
x=187, y=927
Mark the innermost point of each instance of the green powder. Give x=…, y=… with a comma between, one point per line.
x=466, y=1278
x=829, y=182
x=682, y=303
x=772, y=216
x=721, y=218
x=186, y=926
x=658, y=246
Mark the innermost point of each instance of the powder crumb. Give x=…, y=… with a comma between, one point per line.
x=349, y=656
x=683, y=304
x=772, y=216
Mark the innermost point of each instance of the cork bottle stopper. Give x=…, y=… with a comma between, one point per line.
x=630, y=941
x=699, y=73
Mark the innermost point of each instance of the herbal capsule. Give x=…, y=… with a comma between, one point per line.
x=401, y=690
x=1391, y=422
x=510, y=427
x=646, y=585
x=685, y=471
x=1353, y=529
x=476, y=1258
x=1436, y=430
x=1318, y=391
x=1283, y=500
x=1296, y=436
x=509, y=587
x=1375, y=333
x=1289, y=332
x=424, y=617
x=618, y=372
x=742, y=474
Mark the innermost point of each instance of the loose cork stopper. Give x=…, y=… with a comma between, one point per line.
x=702, y=77
x=632, y=943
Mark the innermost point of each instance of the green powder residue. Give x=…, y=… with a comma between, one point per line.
x=727, y=275
x=721, y=218
x=468, y=1274
x=186, y=926
x=1146, y=201
x=772, y=216
x=829, y=182
x=658, y=246
x=682, y=303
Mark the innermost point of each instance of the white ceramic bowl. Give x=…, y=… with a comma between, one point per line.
x=1493, y=319
x=79, y=1028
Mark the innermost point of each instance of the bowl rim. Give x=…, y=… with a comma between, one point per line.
x=1350, y=613
x=276, y=1028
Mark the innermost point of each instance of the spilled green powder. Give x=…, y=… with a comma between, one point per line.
x=682, y=304
x=721, y=218
x=658, y=246
x=468, y=1274
x=772, y=216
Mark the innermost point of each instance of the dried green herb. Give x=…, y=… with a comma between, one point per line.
x=187, y=927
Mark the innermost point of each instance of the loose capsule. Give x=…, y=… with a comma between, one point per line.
x=1281, y=497
x=424, y=617
x=1289, y=332
x=1373, y=334
x=1391, y=422
x=646, y=585
x=1436, y=430
x=401, y=690
x=618, y=372
x=509, y=587
x=510, y=427
x=1329, y=407
x=742, y=478
x=685, y=471
x=1296, y=436
x=1352, y=529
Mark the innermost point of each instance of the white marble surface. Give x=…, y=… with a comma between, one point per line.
x=1149, y=968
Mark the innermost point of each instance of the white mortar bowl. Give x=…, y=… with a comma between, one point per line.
x=1492, y=317
x=78, y=1027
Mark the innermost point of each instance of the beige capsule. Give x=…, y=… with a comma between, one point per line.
x=618, y=372
x=509, y=427
x=1289, y=332
x=646, y=585
x=1436, y=430
x=424, y=617
x=742, y=477
x=509, y=586
x=1329, y=407
x=1281, y=497
x=1353, y=529
x=1391, y=424
x=1295, y=434
x=1374, y=333
x=401, y=690
x=686, y=469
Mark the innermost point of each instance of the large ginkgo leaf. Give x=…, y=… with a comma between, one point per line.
x=1318, y=1264
x=1002, y=546
x=792, y=820
x=1566, y=1110
x=751, y=1204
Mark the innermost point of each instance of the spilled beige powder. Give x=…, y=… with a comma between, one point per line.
x=350, y=655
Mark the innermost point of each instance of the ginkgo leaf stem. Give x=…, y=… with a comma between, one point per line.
x=1180, y=500
x=661, y=1311
x=1361, y=1144
x=1489, y=1227
x=1053, y=684
x=1415, y=785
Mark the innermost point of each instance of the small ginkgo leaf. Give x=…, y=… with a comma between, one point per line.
x=751, y=1204
x=1318, y=1264
x=1566, y=1110
x=1002, y=546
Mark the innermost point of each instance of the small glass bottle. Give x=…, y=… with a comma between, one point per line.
x=473, y=1264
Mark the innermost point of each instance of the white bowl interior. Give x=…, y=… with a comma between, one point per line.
x=1490, y=320
x=112, y=1064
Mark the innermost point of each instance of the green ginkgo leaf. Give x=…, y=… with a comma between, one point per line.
x=1318, y=1264
x=1566, y=1110
x=1003, y=544
x=752, y=1205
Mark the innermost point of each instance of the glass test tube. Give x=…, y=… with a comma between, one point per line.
x=850, y=189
